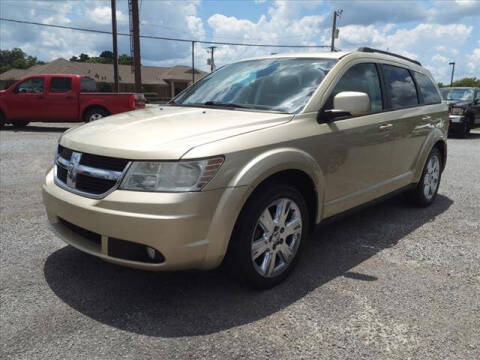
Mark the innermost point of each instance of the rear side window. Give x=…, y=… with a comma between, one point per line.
x=32, y=85
x=60, y=84
x=361, y=78
x=400, y=86
x=428, y=90
x=88, y=85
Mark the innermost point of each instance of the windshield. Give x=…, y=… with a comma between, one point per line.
x=283, y=85
x=457, y=94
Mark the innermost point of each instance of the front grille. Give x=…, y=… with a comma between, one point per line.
x=64, y=152
x=88, y=174
x=62, y=174
x=94, y=185
x=84, y=233
x=103, y=162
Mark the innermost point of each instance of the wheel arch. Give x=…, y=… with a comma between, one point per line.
x=436, y=140
x=91, y=107
x=292, y=166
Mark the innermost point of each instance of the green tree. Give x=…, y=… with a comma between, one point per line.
x=125, y=60
x=105, y=57
x=106, y=54
x=470, y=82
x=16, y=59
x=83, y=57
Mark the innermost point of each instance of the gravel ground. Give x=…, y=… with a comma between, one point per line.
x=389, y=282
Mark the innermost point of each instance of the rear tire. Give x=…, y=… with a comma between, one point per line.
x=427, y=188
x=3, y=121
x=18, y=124
x=267, y=242
x=94, y=114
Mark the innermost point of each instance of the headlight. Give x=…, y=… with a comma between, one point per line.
x=175, y=176
x=457, y=111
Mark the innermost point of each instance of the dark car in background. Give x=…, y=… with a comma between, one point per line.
x=464, y=108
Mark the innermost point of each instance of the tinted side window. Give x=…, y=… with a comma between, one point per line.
x=362, y=78
x=428, y=90
x=60, y=84
x=401, y=87
x=477, y=97
x=33, y=85
x=88, y=85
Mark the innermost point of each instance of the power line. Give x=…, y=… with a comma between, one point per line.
x=161, y=37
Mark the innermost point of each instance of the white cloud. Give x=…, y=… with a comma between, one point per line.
x=103, y=15
x=474, y=62
x=430, y=32
x=439, y=58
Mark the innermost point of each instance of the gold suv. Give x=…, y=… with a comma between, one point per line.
x=244, y=163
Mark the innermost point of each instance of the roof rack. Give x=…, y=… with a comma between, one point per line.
x=370, y=50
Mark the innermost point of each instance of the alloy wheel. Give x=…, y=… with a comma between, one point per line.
x=276, y=237
x=432, y=177
x=95, y=116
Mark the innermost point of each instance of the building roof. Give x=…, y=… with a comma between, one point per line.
x=151, y=75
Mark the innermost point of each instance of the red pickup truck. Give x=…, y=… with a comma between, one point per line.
x=61, y=98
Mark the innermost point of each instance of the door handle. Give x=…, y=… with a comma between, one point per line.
x=385, y=127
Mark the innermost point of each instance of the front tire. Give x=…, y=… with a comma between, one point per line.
x=426, y=190
x=269, y=236
x=465, y=129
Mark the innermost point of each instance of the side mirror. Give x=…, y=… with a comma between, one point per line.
x=353, y=102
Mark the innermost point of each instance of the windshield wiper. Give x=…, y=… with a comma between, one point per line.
x=220, y=104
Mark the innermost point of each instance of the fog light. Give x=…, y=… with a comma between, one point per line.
x=152, y=253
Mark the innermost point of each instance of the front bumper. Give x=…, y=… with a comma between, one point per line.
x=456, y=121
x=185, y=228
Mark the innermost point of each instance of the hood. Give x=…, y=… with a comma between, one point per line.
x=459, y=103
x=164, y=132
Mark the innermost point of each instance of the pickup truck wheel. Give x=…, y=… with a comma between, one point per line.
x=426, y=190
x=20, y=123
x=95, y=114
x=2, y=120
x=268, y=236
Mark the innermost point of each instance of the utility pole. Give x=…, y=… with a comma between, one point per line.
x=453, y=71
x=193, y=62
x=212, y=62
x=334, y=28
x=135, y=43
x=115, y=49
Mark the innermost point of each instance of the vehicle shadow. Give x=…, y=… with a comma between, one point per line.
x=34, y=128
x=198, y=303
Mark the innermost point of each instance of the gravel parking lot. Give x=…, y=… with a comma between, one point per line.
x=389, y=282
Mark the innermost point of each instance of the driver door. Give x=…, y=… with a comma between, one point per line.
x=27, y=100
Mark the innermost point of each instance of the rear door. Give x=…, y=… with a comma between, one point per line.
x=27, y=101
x=411, y=119
x=61, y=100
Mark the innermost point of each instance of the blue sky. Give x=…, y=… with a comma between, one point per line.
x=434, y=32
